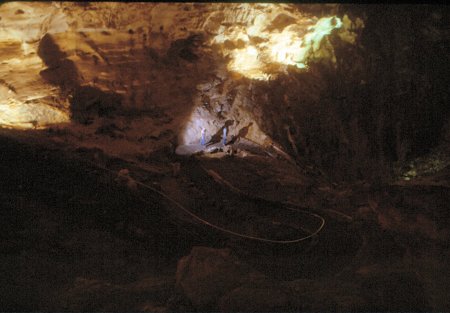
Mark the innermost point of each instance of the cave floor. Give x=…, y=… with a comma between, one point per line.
x=76, y=236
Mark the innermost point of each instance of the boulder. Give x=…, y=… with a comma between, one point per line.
x=206, y=274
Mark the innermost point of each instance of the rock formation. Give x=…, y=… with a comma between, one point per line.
x=337, y=131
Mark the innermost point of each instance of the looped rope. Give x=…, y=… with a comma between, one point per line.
x=219, y=228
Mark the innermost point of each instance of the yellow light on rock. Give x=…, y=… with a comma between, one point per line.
x=259, y=41
x=19, y=115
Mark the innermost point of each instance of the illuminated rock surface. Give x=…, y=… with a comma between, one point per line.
x=27, y=101
x=149, y=58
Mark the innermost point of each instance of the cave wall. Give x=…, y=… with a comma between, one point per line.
x=374, y=94
x=399, y=107
x=383, y=103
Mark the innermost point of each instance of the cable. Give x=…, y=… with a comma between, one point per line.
x=235, y=189
x=219, y=228
x=224, y=230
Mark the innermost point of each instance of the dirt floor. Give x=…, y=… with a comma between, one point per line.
x=80, y=234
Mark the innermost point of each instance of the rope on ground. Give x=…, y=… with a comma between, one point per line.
x=219, y=228
x=221, y=180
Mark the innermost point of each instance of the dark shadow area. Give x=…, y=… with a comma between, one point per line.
x=63, y=220
x=243, y=132
x=218, y=136
x=89, y=102
x=383, y=104
x=61, y=71
x=186, y=48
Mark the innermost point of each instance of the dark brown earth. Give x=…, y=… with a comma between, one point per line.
x=75, y=237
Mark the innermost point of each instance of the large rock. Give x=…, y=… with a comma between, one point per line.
x=206, y=274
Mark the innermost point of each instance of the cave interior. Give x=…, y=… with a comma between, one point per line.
x=232, y=157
